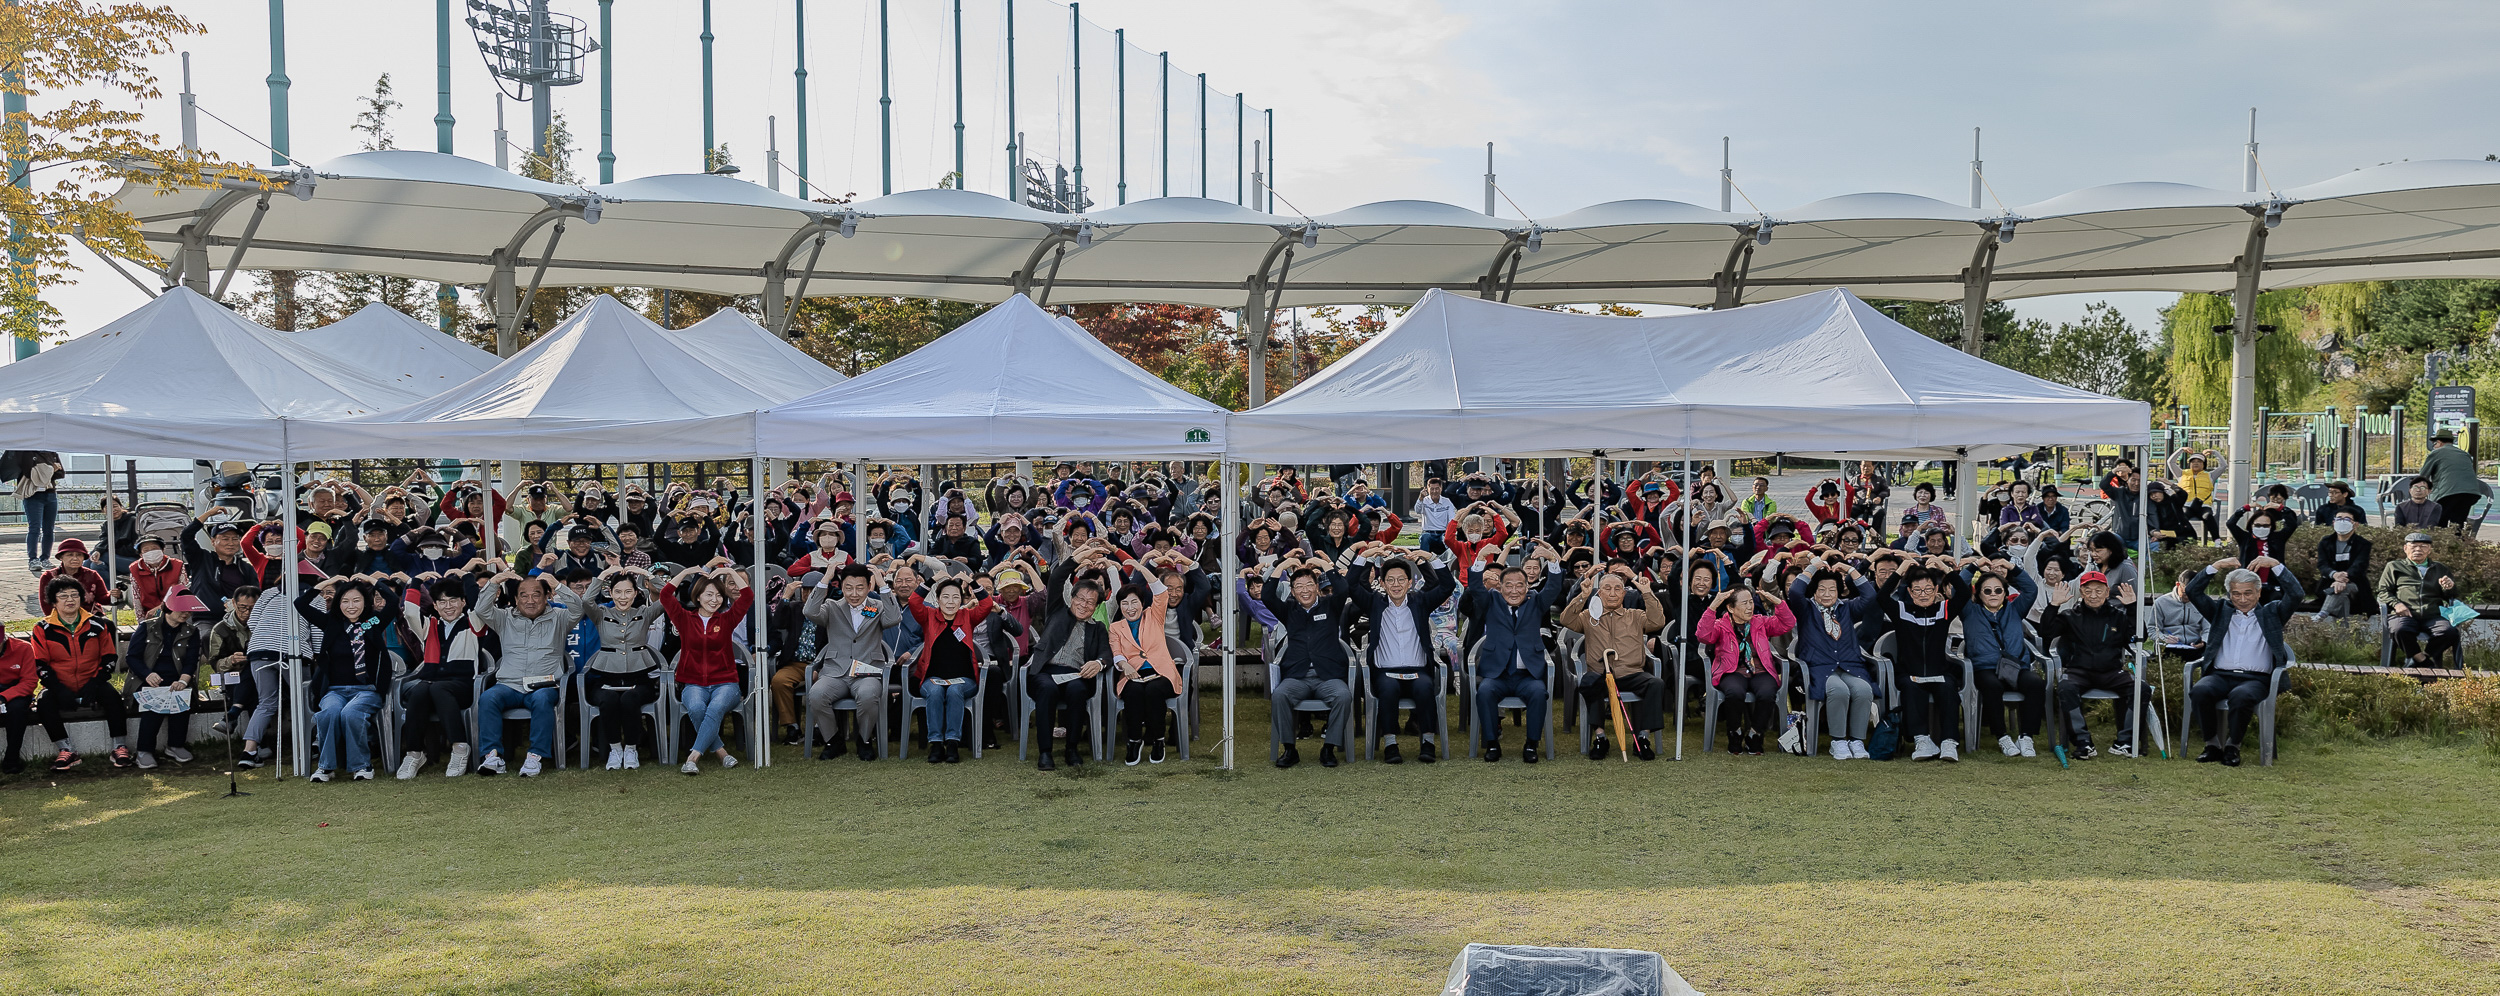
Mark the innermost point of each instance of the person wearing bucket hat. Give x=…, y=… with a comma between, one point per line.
x=2413, y=589
x=164, y=652
x=72, y=557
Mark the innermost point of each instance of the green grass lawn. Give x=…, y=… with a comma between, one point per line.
x=2360, y=869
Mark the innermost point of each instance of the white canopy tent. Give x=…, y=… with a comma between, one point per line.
x=606, y=385
x=1820, y=375
x=183, y=377
x=731, y=343
x=414, y=355
x=1015, y=383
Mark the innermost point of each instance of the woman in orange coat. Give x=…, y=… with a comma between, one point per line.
x=1148, y=676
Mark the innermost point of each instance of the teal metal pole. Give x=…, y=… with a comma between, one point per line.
x=607, y=95
x=885, y=99
x=1015, y=155
x=1163, y=98
x=800, y=74
x=959, y=95
x=1119, y=83
x=21, y=262
x=1076, y=91
x=442, y=75
x=278, y=85
x=707, y=86
x=1202, y=134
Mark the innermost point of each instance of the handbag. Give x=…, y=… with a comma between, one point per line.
x=2458, y=613
x=1884, y=740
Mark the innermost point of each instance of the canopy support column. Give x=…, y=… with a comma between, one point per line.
x=773, y=300
x=242, y=245
x=1684, y=603
x=790, y=307
x=1230, y=524
x=291, y=661
x=1730, y=280
x=1258, y=314
x=1493, y=286
x=191, y=261
x=1023, y=280
x=1983, y=264
x=502, y=289
x=759, y=628
x=2244, y=335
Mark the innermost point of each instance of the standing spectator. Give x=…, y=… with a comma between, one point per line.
x=38, y=492
x=2120, y=487
x=2454, y=484
x=2413, y=590
x=2265, y=530
x=1433, y=514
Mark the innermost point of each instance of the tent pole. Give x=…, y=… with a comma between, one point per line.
x=1597, y=561
x=300, y=756
x=2143, y=575
x=760, y=634
x=1231, y=557
x=1684, y=605
x=859, y=511
x=1965, y=473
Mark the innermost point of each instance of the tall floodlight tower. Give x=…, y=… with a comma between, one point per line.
x=531, y=50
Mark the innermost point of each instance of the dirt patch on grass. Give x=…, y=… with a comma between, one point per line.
x=2459, y=925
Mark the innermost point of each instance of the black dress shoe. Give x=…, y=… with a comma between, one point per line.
x=954, y=752
x=867, y=751
x=1493, y=750
x=835, y=748
x=1428, y=753
x=936, y=752
x=1597, y=747
x=2209, y=755
x=1288, y=757
x=2231, y=756
x=1074, y=756
x=1328, y=755
x=1641, y=748
x=1527, y=754
x=1046, y=765
x=1390, y=755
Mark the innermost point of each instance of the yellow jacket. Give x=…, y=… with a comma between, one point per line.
x=2198, y=484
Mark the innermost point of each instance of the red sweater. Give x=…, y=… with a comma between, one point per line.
x=17, y=668
x=704, y=656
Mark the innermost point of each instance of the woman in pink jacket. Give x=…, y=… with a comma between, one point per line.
x=1739, y=636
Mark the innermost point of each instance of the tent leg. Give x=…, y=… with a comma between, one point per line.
x=1231, y=557
x=1684, y=606
x=759, y=629
x=291, y=661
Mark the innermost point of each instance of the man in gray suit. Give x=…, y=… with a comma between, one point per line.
x=852, y=650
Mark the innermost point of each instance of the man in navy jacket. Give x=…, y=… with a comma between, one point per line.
x=1401, y=648
x=2243, y=649
x=1313, y=664
x=1511, y=651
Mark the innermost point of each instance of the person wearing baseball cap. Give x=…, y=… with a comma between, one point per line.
x=2092, y=636
x=164, y=652
x=2413, y=589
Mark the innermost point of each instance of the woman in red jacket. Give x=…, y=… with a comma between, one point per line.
x=17, y=697
x=949, y=661
x=707, y=667
x=1741, y=662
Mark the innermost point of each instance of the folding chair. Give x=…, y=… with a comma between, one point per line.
x=1711, y=697
x=1370, y=707
x=850, y=704
x=1275, y=676
x=683, y=723
x=1476, y=734
x=1970, y=693
x=912, y=702
x=2147, y=720
x=586, y=714
x=1178, y=703
x=2222, y=711
x=1588, y=723
x=1094, y=715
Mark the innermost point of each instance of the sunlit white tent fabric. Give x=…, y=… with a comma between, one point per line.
x=731, y=343
x=403, y=350
x=1819, y=375
x=604, y=385
x=181, y=377
x=1015, y=383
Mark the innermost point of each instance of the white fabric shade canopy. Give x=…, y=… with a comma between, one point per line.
x=410, y=353
x=1015, y=383
x=183, y=377
x=731, y=343
x=1820, y=375
x=432, y=216
x=605, y=385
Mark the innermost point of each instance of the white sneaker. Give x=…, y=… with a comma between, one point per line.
x=2024, y=745
x=179, y=755
x=321, y=774
x=529, y=766
x=492, y=765
x=410, y=763
x=2006, y=744
x=2124, y=750
x=1950, y=750
x=364, y=774
x=146, y=760
x=1838, y=749
x=729, y=760
x=633, y=758
x=689, y=767
x=1857, y=751
x=616, y=756
x=1923, y=749
x=459, y=763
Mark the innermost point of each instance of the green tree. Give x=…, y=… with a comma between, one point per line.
x=2199, y=360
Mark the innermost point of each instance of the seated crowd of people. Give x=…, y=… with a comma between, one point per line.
x=934, y=610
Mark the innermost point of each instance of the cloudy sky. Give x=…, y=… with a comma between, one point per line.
x=1585, y=100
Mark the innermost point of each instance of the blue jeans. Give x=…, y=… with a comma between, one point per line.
x=1529, y=687
x=705, y=705
x=342, y=723
x=946, y=705
x=542, y=706
x=1433, y=542
x=43, y=508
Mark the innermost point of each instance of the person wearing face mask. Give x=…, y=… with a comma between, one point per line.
x=1920, y=606
x=427, y=550
x=1992, y=631
x=2344, y=569
x=1618, y=637
x=2265, y=530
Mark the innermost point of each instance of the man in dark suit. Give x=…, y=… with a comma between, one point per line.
x=1313, y=664
x=1400, y=655
x=2243, y=648
x=1511, y=649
